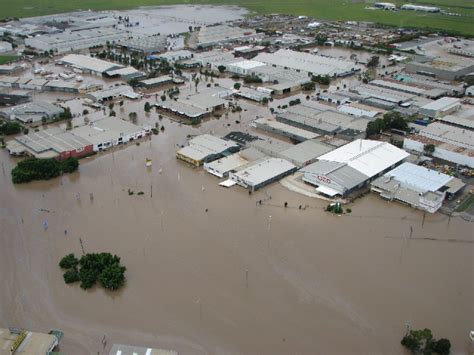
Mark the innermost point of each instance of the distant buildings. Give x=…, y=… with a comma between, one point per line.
x=69, y=41
x=213, y=35
x=421, y=8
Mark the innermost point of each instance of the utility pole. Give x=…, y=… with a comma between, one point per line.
x=82, y=246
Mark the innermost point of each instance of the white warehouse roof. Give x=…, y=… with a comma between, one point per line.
x=88, y=63
x=419, y=178
x=442, y=104
x=366, y=156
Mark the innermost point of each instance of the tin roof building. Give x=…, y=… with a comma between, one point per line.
x=93, y=65
x=262, y=172
x=232, y=163
x=415, y=186
x=206, y=148
x=305, y=153
x=350, y=167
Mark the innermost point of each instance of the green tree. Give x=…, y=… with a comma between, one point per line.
x=429, y=148
x=8, y=128
x=69, y=261
x=373, y=62
x=147, y=107
x=71, y=276
x=237, y=86
x=112, y=276
x=221, y=68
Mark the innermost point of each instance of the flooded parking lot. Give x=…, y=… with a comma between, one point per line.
x=239, y=278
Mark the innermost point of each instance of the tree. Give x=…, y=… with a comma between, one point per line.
x=147, y=107
x=422, y=342
x=112, y=276
x=237, y=86
x=111, y=106
x=71, y=276
x=373, y=62
x=112, y=113
x=429, y=148
x=442, y=347
x=133, y=117
x=8, y=128
x=69, y=261
x=321, y=79
x=221, y=68
x=85, y=112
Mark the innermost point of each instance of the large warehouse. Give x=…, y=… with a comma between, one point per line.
x=351, y=166
x=416, y=186
x=72, y=41
x=262, y=172
x=88, y=64
x=305, y=62
x=206, y=148
x=223, y=166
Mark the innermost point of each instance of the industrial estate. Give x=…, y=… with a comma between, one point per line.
x=331, y=111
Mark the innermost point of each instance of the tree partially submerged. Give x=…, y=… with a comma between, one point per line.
x=42, y=169
x=93, y=267
x=421, y=342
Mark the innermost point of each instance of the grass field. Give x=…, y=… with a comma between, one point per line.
x=6, y=58
x=321, y=9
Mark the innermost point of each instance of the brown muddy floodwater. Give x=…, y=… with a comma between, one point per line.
x=237, y=279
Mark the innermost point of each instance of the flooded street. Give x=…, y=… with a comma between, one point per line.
x=237, y=279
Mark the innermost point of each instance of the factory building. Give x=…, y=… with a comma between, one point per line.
x=416, y=186
x=451, y=143
x=252, y=94
x=182, y=110
x=88, y=64
x=248, y=52
x=68, y=41
x=50, y=143
x=262, y=172
x=308, y=63
x=272, y=126
x=433, y=86
x=445, y=68
x=305, y=153
x=440, y=107
x=126, y=74
x=111, y=93
x=206, y=148
x=309, y=118
x=174, y=56
x=14, y=97
x=352, y=166
x=31, y=112
x=232, y=163
x=213, y=35
x=145, y=45
x=108, y=132
x=156, y=82
x=270, y=147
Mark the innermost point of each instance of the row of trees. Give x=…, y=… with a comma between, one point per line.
x=93, y=267
x=42, y=169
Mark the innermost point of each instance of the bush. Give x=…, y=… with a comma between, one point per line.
x=112, y=276
x=237, y=86
x=71, y=276
x=42, y=169
x=252, y=79
x=321, y=79
x=68, y=262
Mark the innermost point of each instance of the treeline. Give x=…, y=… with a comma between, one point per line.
x=8, y=128
x=391, y=120
x=42, y=169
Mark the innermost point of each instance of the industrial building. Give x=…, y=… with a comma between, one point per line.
x=416, y=186
x=182, y=110
x=126, y=74
x=24, y=342
x=206, y=148
x=11, y=69
x=350, y=167
x=270, y=147
x=110, y=131
x=271, y=125
x=305, y=153
x=5, y=47
x=174, y=56
x=452, y=144
x=385, y=5
x=156, y=82
x=309, y=118
x=440, y=107
x=14, y=97
x=146, y=45
x=88, y=64
x=444, y=67
x=421, y=8
x=432, y=85
x=248, y=52
x=50, y=143
x=212, y=35
x=31, y=112
x=262, y=172
x=308, y=63
x=252, y=94
x=232, y=163
x=70, y=41
x=111, y=93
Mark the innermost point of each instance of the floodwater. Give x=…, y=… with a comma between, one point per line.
x=210, y=272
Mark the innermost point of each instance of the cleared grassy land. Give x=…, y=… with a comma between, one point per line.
x=6, y=58
x=322, y=9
